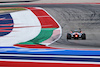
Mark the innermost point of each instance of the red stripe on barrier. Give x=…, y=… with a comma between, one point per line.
x=6, y=24
x=48, y=47
x=39, y=12
x=5, y=30
x=48, y=21
x=5, y=19
x=34, y=46
x=31, y=8
x=40, y=64
x=2, y=28
x=45, y=20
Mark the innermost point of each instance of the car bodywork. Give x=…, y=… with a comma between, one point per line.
x=76, y=34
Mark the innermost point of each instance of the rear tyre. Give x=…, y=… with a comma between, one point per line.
x=68, y=36
x=83, y=36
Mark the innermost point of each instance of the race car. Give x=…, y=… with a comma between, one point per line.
x=76, y=34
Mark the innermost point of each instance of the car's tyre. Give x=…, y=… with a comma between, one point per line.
x=68, y=36
x=83, y=36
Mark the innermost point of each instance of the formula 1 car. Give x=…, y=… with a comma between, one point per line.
x=76, y=34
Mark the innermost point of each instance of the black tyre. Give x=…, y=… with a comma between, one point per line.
x=68, y=36
x=83, y=36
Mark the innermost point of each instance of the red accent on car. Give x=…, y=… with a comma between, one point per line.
x=81, y=31
x=76, y=35
x=70, y=31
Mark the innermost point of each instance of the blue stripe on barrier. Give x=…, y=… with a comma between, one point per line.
x=14, y=50
x=4, y=20
x=51, y=58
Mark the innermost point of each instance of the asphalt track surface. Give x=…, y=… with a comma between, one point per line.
x=74, y=16
x=70, y=17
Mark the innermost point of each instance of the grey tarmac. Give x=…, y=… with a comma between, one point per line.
x=70, y=17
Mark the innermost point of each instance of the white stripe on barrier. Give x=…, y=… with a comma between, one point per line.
x=20, y=19
x=45, y=61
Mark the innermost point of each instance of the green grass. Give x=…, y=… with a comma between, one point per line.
x=6, y=9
